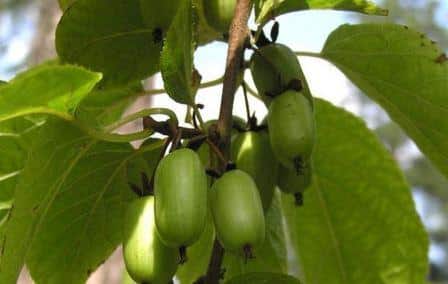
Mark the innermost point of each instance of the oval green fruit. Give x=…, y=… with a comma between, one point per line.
x=204, y=32
x=219, y=13
x=252, y=153
x=180, y=189
x=291, y=129
x=295, y=183
x=147, y=259
x=273, y=68
x=237, y=211
x=159, y=14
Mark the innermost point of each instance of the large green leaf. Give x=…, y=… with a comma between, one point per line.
x=271, y=256
x=359, y=223
x=405, y=72
x=15, y=140
x=264, y=278
x=109, y=36
x=68, y=206
x=176, y=60
x=268, y=9
x=49, y=89
x=103, y=107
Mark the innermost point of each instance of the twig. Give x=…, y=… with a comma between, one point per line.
x=238, y=35
x=246, y=101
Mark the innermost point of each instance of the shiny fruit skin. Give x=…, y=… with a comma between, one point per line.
x=291, y=129
x=252, y=153
x=219, y=13
x=147, y=259
x=237, y=211
x=180, y=188
x=273, y=67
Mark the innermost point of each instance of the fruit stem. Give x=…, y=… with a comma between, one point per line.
x=246, y=101
x=253, y=92
x=197, y=114
x=176, y=140
x=182, y=255
x=217, y=151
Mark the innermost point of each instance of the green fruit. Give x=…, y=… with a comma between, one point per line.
x=219, y=13
x=237, y=211
x=295, y=183
x=204, y=32
x=273, y=68
x=147, y=259
x=159, y=14
x=291, y=129
x=180, y=188
x=252, y=153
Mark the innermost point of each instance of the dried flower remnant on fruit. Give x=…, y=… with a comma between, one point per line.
x=442, y=58
x=157, y=35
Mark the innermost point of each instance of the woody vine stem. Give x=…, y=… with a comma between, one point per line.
x=238, y=35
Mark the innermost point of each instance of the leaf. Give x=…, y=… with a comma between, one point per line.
x=176, y=60
x=15, y=139
x=108, y=36
x=263, y=278
x=68, y=207
x=268, y=9
x=51, y=89
x=102, y=107
x=358, y=223
x=400, y=69
x=271, y=256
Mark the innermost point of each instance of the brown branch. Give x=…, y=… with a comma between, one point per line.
x=238, y=35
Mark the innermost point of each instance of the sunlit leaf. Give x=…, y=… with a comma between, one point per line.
x=50, y=89
x=358, y=223
x=111, y=37
x=268, y=9
x=403, y=71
